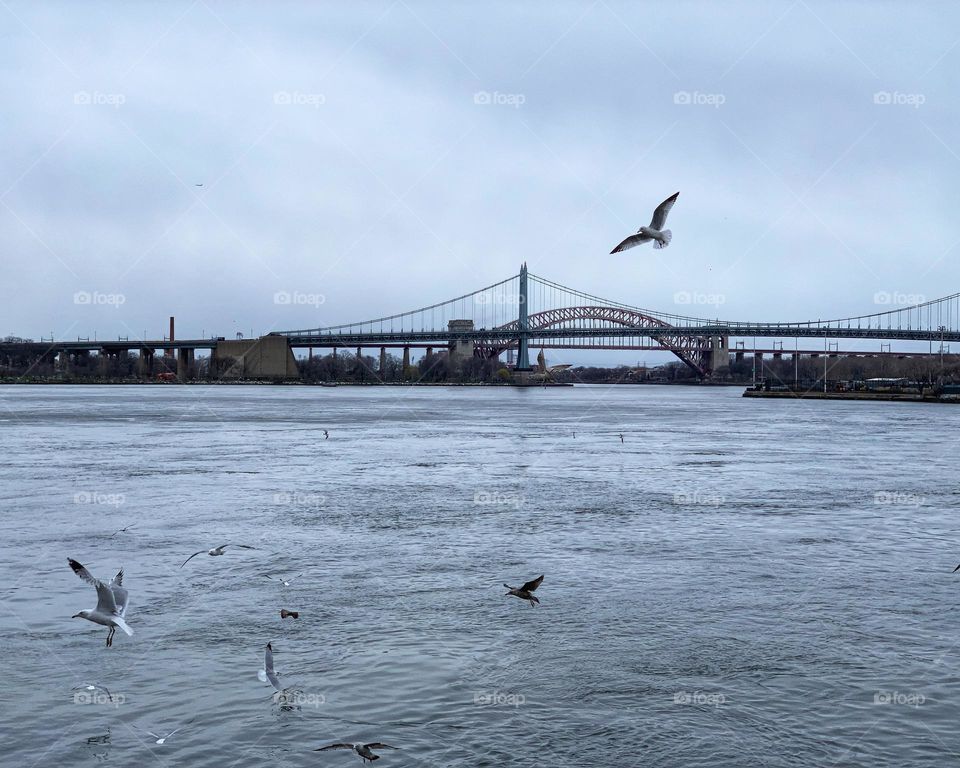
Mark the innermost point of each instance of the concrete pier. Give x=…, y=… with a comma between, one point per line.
x=269, y=357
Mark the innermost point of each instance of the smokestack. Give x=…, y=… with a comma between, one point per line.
x=170, y=350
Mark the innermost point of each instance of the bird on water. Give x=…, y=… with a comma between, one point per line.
x=526, y=591
x=215, y=552
x=112, y=601
x=661, y=237
x=364, y=750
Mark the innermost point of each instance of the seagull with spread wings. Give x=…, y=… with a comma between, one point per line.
x=215, y=552
x=112, y=601
x=268, y=673
x=364, y=750
x=661, y=237
x=526, y=591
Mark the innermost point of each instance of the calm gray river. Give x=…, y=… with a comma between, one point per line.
x=737, y=583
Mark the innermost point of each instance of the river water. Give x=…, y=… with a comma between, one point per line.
x=736, y=583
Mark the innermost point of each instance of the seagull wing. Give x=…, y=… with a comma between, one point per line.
x=105, y=602
x=120, y=598
x=530, y=586
x=268, y=668
x=379, y=745
x=191, y=557
x=334, y=746
x=118, y=579
x=660, y=215
x=245, y=546
x=82, y=572
x=631, y=242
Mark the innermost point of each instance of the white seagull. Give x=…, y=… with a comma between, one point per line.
x=161, y=740
x=655, y=231
x=111, y=601
x=285, y=582
x=215, y=552
x=364, y=750
x=268, y=673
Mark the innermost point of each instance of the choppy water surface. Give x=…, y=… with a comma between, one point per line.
x=743, y=583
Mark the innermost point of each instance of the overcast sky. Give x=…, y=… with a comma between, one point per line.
x=386, y=155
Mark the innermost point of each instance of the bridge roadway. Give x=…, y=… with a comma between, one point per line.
x=494, y=337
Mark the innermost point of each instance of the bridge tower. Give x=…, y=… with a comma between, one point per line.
x=523, y=355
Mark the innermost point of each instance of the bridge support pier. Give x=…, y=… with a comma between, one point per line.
x=145, y=363
x=184, y=363
x=458, y=348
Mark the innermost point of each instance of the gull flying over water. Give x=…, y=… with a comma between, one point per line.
x=162, y=739
x=284, y=613
x=364, y=750
x=215, y=552
x=111, y=601
x=655, y=231
x=123, y=530
x=284, y=582
x=268, y=673
x=526, y=591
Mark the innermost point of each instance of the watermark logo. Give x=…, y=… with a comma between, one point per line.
x=697, y=498
x=499, y=699
x=695, y=297
x=99, y=696
x=300, y=499
x=701, y=698
x=97, y=99
x=95, y=497
x=95, y=298
x=505, y=498
x=498, y=299
x=897, y=99
x=297, y=99
x=698, y=99
x=897, y=298
x=895, y=498
x=497, y=99
x=300, y=699
x=297, y=298
x=896, y=697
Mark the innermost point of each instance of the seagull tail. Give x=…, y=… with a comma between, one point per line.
x=667, y=237
x=122, y=624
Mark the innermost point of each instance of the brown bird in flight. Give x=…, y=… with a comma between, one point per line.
x=364, y=750
x=526, y=591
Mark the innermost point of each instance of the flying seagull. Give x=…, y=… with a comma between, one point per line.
x=364, y=750
x=162, y=739
x=215, y=552
x=268, y=673
x=123, y=530
x=285, y=582
x=284, y=613
x=326, y=435
x=526, y=591
x=111, y=601
x=655, y=231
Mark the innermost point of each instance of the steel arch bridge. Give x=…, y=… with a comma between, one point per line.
x=527, y=310
x=692, y=350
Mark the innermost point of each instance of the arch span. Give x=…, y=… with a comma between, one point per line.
x=694, y=351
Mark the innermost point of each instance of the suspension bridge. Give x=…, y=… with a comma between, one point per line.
x=511, y=316
x=526, y=310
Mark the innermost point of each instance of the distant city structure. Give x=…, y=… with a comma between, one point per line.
x=478, y=329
